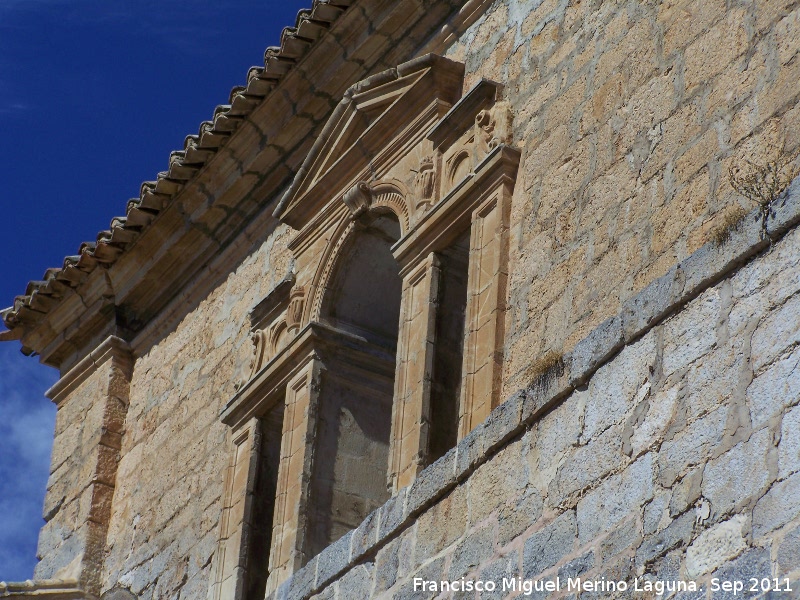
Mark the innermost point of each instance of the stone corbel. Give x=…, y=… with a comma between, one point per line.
x=358, y=199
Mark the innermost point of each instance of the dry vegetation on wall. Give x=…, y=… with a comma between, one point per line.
x=630, y=115
x=761, y=183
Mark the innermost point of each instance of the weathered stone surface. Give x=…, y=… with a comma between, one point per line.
x=392, y=514
x=615, y=499
x=496, y=483
x=778, y=331
x=515, y=517
x=789, y=446
x=504, y=567
x=677, y=533
x=689, y=447
x=595, y=349
x=442, y=524
x=738, y=475
x=785, y=211
x=586, y=465
x=577, y=567
x=431, y=482
x=789, y=552
x=548, y=545
x=618, y=384
x=777, y=507
x=716, y=546
x=333, y=559
x=474, y=550
x=774, y=389
x=357, y=582
x=652, y=304
x=753, y=563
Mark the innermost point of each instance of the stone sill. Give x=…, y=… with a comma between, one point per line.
x=641, y=313
x=54, y=589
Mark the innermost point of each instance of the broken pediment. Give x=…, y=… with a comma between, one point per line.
x=377, y=123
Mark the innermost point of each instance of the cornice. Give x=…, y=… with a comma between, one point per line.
x=232, y=171
x=315, y=340
x=112, y=348
x=199, y=150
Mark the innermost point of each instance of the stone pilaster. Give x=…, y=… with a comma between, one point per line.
x=92, y=400
x=294, y=475
x=486, y=305
x=415, y=355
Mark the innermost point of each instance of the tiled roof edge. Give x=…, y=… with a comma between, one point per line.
x=154, y=196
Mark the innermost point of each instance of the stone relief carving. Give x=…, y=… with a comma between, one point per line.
x=424, y=183
x=383, y=194
x=294, y=314
x=260, y=345
x=358, y=198
x=470, y=139
x=492, y=128
x=458, y=166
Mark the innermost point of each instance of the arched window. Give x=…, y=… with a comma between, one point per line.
x=348, y=479
x=386, y=344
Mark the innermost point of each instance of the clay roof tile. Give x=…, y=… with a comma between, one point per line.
x=154, y=196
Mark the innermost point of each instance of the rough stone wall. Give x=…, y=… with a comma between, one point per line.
x=82, y=475
x=678, y=458
x=164, y=525
x=630, y=114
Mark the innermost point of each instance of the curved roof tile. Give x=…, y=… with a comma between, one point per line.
x=41, y=296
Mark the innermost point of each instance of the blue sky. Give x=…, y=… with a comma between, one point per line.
x=93, y=97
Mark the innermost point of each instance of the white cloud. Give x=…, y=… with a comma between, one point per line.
x=26, y=434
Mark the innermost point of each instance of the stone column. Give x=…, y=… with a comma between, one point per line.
x=92, y=400
x=415, y=355
x=288, y=552
x=486, y=305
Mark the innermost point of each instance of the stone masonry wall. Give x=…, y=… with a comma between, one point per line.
x=629, y=114
x=664, y=447
x=83, y=468
x=168, y=501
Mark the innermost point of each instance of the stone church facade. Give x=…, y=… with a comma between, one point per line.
x=448, y=292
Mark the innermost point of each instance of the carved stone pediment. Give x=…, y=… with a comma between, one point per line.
x=377, y=123
x=396, y=317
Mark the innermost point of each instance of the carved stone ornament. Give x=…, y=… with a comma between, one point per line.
x=424, y=183
x=492, y=128
x=294, y=314
x=261, y=344
x=358, y=198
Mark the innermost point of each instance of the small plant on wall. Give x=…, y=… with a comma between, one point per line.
x=761, y=184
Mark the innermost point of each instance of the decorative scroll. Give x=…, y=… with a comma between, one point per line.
x=424, y=183
x=492, y=128
x=260, y=345
x=294, y=314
